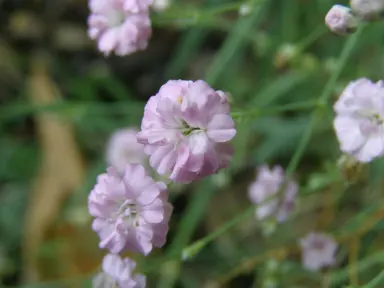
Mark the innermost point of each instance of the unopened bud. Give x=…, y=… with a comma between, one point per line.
x=341, y=20
x=161, y=5
x=352, y=170
x=245, y=9
x=286, y=53
x=368, y=9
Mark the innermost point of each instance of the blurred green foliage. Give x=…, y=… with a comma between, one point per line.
x=278, y=55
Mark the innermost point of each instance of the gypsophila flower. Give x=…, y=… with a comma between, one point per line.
x=359, y=121
x=268, y=183
x=341, y=20
x=123, y=148
x=368, y=9
x=117, y=273
x=187, y=130
x=318, y=251
x=136, y=6
x=131, y=212
x=122, y=26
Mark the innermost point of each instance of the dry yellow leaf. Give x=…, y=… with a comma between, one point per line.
x=61, y=171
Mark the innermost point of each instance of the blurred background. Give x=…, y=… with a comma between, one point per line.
x=60, y=100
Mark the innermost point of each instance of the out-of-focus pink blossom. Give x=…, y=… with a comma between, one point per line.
x=131, y=212
x=136, y=6
x=118, y=273
x=123, y=148
x=187, y=130
x=267, y=184
x=359, y=121
x=318, y=251
x=120, y=26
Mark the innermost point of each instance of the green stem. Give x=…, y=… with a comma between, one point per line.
x=322, y=100
x=193, y=249
x=379, y=279
x=290, y=107
x=196, y=247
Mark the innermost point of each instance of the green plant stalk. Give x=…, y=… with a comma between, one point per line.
x=322, y=100
x=379, y=279
x=196, y=247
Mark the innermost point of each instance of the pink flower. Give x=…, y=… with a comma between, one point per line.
x=187, y=130
x=340, y=20
x=123, y=148
x=268, y=183
x=318, y=251
x=122, y=26
x=131, y=212
x=359, y=121
x=117, y=271
x=137, y=6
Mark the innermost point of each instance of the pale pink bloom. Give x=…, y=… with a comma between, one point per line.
x=263, y=192
x=340, y=20
x=318, y=251
x=359, y=121
x=119, y=25
x=187, y=129
x=136, y=6
x=123, y=148
x=131, y=212
x=117, y=271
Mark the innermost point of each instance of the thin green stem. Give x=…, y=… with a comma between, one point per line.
x=290, y=107
x=379, y=279
x=316, y=34
x=196, y=247
x=224, y=8
x=322, y=101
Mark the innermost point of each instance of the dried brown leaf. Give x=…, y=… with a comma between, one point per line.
x=61, y=171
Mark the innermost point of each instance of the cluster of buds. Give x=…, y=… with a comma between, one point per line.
x=343, y=20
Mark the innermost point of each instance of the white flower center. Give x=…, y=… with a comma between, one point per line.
x=128, y=212
x=373, y=124
x=318, y=244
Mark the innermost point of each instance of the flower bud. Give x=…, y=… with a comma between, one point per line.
x=368, y=9
x=245, y=9
x=161, y=5
x=340, y=20
x=352, y=170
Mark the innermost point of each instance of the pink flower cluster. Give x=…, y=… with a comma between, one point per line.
x=318, y=251
x=120, y=26
x=264, y=192
x=343, y=20
x=123, y=148
x=359, y=121
x=131, y=211
x=186, y=130
x=117, y=272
